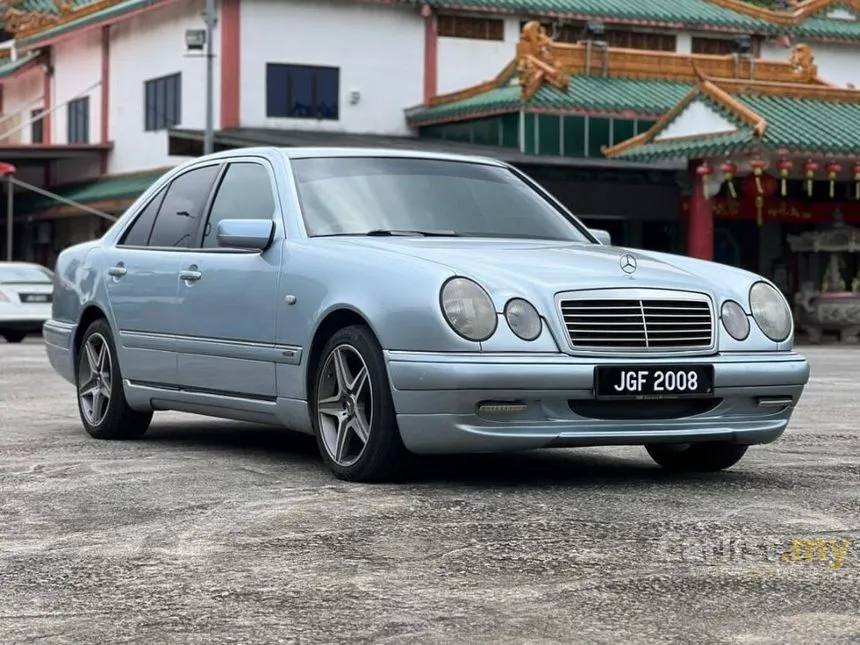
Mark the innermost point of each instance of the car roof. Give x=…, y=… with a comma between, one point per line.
x=19, y=265
x=327, y=151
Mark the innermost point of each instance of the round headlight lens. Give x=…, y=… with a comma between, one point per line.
x=523, y=319
x=735, y=320
x=468, y=309
x=770, y=311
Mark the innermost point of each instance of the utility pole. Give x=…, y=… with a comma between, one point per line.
x=209, y=135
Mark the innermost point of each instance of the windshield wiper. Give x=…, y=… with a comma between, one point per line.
x=383, y=232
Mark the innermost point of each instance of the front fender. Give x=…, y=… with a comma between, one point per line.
x=398, y=296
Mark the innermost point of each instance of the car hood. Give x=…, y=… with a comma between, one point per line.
x=533, y=266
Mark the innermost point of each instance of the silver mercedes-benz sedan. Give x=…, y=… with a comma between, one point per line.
x=393, y=303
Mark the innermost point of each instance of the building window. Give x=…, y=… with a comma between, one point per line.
x=641, y=40
x=162, y=102
x=37, y=126
x=79, y=120
x=302, y=91
x=474, y=28
x=575, y=32
x=715, y=46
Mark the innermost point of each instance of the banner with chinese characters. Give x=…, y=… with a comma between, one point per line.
x=783, y=210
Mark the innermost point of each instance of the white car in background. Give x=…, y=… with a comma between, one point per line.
x=26, y=292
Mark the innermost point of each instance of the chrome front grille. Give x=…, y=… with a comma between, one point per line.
x=659, y=324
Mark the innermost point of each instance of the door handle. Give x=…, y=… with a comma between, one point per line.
x=190, y=276
x=117, y=271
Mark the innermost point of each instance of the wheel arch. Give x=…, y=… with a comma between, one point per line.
x=338, y=318
x=89, y=315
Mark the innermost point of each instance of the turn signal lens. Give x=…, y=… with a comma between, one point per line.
x=3, y=297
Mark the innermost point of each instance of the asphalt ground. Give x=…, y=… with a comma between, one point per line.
x=218, y=532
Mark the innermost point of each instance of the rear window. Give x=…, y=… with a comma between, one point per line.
x=25, y=275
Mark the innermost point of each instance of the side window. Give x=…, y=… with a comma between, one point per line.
x=138, y=233
x=182, y=208
x=245, y=193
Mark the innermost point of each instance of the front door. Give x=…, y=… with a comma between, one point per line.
x=228, y=299
x=142, y=285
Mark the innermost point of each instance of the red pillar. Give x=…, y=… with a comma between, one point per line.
x=431, y=57
x=700, y=221
x=230, y=63
x=47, y=93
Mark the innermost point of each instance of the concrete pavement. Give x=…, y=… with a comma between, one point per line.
x=216, y=532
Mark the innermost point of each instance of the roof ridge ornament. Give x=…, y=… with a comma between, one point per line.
x=536, y=61
x=803, y=63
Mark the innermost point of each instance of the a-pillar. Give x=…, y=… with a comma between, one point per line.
x=700, y=219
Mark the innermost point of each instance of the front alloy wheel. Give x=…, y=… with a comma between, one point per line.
x=704, y=457
x=354, y=419
x=345, y=405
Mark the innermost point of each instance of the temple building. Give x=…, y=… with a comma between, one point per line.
x=716, y=128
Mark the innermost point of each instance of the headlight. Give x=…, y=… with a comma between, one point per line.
x=468, y=309
x=735, y=320
x=523, y=319
x=770, y=311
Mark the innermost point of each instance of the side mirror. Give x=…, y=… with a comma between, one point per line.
x=602, y=236
x=252, y=234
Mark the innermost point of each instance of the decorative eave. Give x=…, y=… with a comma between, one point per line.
x=37, y=27
x=801, y=10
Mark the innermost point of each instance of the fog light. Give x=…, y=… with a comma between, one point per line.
x=501, y=407
x=774, y=401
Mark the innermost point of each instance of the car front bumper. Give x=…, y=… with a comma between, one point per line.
x=437, y=399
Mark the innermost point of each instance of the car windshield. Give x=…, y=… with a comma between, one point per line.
x=25, y=275
x=379, y=195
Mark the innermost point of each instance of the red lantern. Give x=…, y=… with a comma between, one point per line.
x=785, y=166
x=730, y=170
x=855, y=169
x=809, y=169
x=832, y=169
x=760, y=188
x=704, y=171
x=758, y=166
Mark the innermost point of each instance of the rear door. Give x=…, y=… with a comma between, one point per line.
x=142, y=276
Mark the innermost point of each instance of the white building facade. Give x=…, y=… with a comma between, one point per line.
x=114, y=78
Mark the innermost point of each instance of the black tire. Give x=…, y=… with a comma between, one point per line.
x=14, y=336
x=697, y=457
x=118, y=421
x=384, y=456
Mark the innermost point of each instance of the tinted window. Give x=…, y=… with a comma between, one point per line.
x=182, y=209
x=79, y=120
x=354, y=195
x=138, y=234
x=302, y=91
x=25, y=274
x=244, y=193
x=162, y=102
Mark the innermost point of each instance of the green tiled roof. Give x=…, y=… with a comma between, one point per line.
x=792, y=123
x=584, y=93
x=109, y=188
x=815, y=28
x=691, y=13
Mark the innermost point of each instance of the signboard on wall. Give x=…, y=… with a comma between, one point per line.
x=776, y=209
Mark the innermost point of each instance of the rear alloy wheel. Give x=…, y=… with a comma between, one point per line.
x=101, y=399
x=353, y=413
x=696, y=457
x=14, y=336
